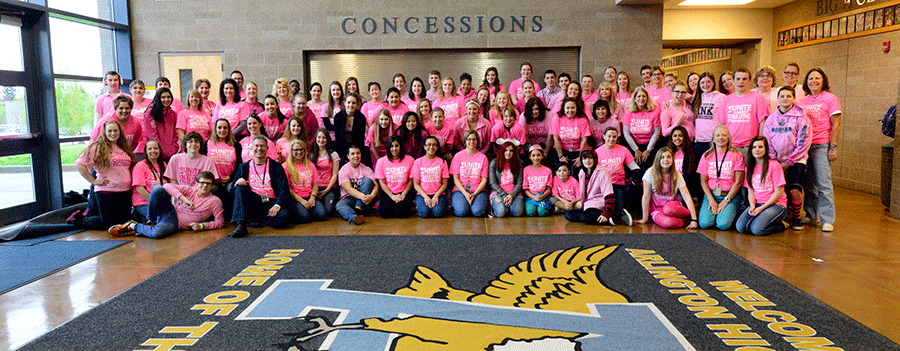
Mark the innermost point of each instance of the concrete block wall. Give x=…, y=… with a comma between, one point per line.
x=266, y=39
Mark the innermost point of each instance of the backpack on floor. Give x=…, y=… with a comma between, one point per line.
x=889, y=121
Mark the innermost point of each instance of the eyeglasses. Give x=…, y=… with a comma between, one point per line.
x=656, y=74
x=791, y=73
x=205, y=183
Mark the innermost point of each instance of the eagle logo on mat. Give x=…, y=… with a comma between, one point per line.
x=562, y=287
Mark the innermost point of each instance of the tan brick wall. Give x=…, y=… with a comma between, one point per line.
x=267, y=43
x=864, y=78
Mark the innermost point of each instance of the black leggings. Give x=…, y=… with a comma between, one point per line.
x=112, y=208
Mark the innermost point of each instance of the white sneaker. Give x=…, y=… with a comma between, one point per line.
x=611, y=222
x=827, y=227
x=626, y=218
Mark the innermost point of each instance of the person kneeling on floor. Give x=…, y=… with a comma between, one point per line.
x=192, y=207
x=260, y=191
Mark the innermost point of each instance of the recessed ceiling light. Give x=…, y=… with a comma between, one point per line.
x=714, y=2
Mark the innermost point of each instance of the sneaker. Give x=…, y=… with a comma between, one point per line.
x=122, y=229
x=796, y=224
x=359, y=210
x=359, y=219
x=610, y=221
x=827, y=227
x=626, y=218
x=240, y=230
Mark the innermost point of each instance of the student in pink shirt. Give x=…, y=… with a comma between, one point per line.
x=677, y=112
x=465, y=90
x=537, y=182
x=282, y=90
x=303, y=185
x=393, y=175
x=449, y=101
x=601, y=118
x=110, y=157
x=131, y=127
x=473, y=121
x=273, y=120
x=412, y=135
x=721, y=174
x=788, y=131
x=693, y=83
x=515, y=88
x=250, y=103
x=744, y=111
x=316, y=105
x=669, y=80
x=535, y=119
x=614, y=158
x=145, y=175
x=395, y=107
x=225, y=153
x=483, y=98
x=327, y=161
x=443, y=132
x=104, y=105
x=159, y=123
x=506, y=182
x=824, y=111
x=358, y=189
x=423, y=108
x=399, y=81
x=470, y=177
x=335, y=104
x=203, y=86
x=661, y=183
x=685, y=160
x=726, y=83
x=379, y=132
x=623, y=91
x=370, y=108
x=352, y=87
x=501, y=102
x=588, y=95
x=194, y=118
x=254, y=128
x=508, y=129
x=184, y=167
x=570, y=131
x=306, y=116
x=596, y=187
x=641, y=127
x=765, y=184
x=293, y=130
x=430, y=175
x=434, y=82
x=141, y=104
x=607, y=92
x=192, y=206
x=657, y=90
x=492, y=82
x=163, y=82
x=573, y=90
x=706, y=101
x=565, y=190
x=416, y=92
x=527, y=92
x=230, y=107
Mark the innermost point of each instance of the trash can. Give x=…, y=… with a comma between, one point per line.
x=887, y=171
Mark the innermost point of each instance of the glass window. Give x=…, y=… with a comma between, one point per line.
x=81, y=49
x=16, y=180
x=13, y=112
x=92, y=8
x=75, y=100
x=11, y=42
x=68, y=153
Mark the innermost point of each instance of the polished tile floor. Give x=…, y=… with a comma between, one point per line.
x=854, y=269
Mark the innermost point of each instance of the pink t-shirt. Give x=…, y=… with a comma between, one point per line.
x=537, y=131
x=205, y=207
x=764, y=185
x=283, y=149
x=659, y=96
x=104, y=105
x=248, y=107
x=570, y=131
x=742, y=115
x=287, y=109
x=499, y=131
x=641, y=124
x=597, y=127
x=705, y=123
x=194, y=121
x=430, y=173
x=727, y=164
x=132, y=129
x=209, y=107
x=223, y=156
x=536, y=180
x=260, y=180
x=568, y=190
x=247, y=149
x=679, y=161
x=614, y=162
x=397, y=112
x=507, y=180
x=590, y=100
x=370, y=110
x=481, y=127
x=354, y=176
x=446, y=135
x=515, y=87
x=232, y=112
x=623, y=98
x=454, y=108
x=820, y=109
x=184, y=170
x=370, y=140
x=317, y=108
x=520, y=105
x=470, y=168
x=140, y=108
x=177, y=105
x=274, y=128
x=395, y=173
x=672, y=114
x=325, y=167
x=118, y=172
x=141, y=176
x=307, y=177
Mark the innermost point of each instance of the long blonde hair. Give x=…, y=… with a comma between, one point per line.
x=613, y=105
x=287, y=129
x=376, y=142
x=102, y=147
x=671, y=173
x=291, y=163
x=496, y=107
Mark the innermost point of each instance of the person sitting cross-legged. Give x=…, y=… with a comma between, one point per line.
x=260, y=191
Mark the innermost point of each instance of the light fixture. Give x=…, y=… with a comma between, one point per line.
x=714, y=2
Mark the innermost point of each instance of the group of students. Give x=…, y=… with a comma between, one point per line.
x=517, y=151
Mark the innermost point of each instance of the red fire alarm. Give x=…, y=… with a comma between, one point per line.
x=886, y=46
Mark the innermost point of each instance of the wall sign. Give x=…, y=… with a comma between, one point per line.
x=865, y=21
x=442, y=25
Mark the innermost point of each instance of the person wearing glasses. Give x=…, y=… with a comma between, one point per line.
x=192, y=207
x=677, y=112
x=790, y=75
x=765, y=82
x=261, y=192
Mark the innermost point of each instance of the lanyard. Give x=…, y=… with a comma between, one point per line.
x=719, y=165
x=262, y=178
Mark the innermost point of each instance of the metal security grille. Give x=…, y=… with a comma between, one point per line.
x=380, y=66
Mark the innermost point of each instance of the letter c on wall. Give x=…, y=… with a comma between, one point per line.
x=344, y=25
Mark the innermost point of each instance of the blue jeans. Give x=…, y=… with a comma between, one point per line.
x=438, y=211
x=819, y=195
x=249, y=208
x=766, y=222
x=461, y=207
x=516, y=208
x=346, y=206
x=329, y=200
x=726, y=216
x=143, y=210
x=161, y=212
x=537, y=208
x=300, y=214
